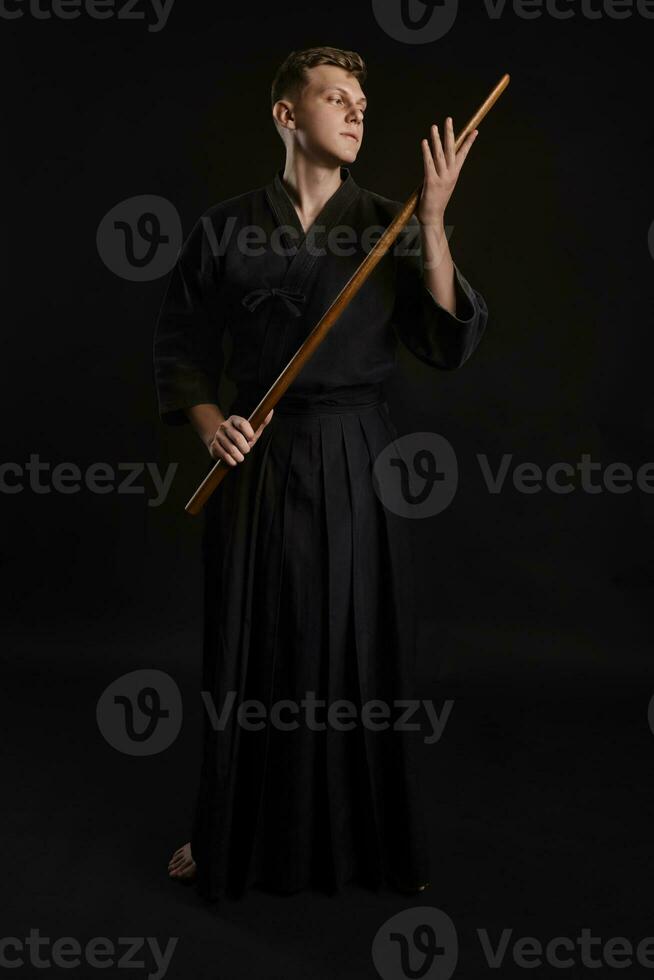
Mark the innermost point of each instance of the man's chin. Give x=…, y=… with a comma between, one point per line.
x=338, y=157
x=344, y=157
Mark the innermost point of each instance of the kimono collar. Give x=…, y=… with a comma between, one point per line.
x=331, y=213
x=301, y=258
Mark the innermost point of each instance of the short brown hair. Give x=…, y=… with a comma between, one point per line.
x=291, y=78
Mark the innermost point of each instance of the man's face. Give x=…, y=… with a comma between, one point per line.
x=331, y=106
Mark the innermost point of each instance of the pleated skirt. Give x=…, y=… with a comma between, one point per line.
x=309, y=600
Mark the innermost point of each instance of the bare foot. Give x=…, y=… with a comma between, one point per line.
x=182, y=865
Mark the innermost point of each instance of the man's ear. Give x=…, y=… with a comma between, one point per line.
x=283, y=113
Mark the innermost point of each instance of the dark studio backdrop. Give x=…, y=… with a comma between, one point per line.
x=536, y=606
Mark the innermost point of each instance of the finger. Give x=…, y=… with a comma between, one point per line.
x=450, y=152
x=228, y=450
x=219, y=454
x=464, y=149
x=438, y=150
x=428, y=160
x=233, y=431
x=242, y=425
x=234, y=452
x=264, y=423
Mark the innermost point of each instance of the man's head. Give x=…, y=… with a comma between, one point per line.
x=316, y=99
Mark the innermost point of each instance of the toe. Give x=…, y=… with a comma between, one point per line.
x=181, y=864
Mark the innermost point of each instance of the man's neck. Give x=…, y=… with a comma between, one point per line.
x=310, y=187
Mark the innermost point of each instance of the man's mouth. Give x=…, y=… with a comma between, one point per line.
x=351, y=136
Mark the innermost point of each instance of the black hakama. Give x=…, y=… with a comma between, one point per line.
x=309, y=580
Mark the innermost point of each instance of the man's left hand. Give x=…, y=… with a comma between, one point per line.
x=442, y=168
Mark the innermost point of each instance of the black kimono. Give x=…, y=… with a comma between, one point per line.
x=308, y=577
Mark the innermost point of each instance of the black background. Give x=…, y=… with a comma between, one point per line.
x=537, y=607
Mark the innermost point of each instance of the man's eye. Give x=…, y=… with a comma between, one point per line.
x=337, y=98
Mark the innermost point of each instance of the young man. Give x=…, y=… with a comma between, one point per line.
x=308, y=593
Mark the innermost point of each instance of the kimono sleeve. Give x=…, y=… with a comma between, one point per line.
x=188, y=337
x=426, y=328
